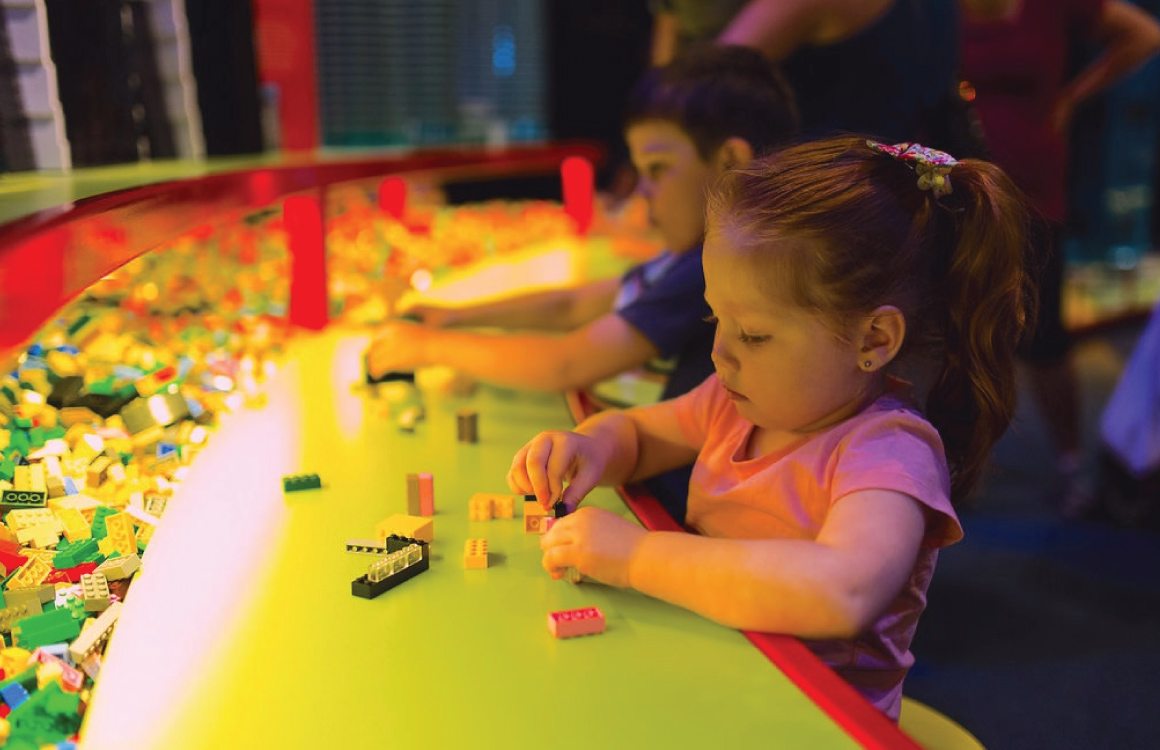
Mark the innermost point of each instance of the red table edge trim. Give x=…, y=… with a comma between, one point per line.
x=848, y=709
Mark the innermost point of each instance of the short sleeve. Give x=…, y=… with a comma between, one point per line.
x=671, y=311
x=698, y=409
x=902, y=452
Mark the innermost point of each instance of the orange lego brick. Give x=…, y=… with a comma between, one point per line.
x=426, y=494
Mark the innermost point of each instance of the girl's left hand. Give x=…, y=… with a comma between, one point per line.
x=597, y=542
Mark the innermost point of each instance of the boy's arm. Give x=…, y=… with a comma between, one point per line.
x=554, y=309
x=534, y=361
x=833, y=587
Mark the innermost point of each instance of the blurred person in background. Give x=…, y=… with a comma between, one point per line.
x=1016, y=57
x=879, y=67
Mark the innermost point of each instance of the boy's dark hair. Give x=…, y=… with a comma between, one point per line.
x=714, y=93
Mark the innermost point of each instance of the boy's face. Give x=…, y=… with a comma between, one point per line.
x=673, y=179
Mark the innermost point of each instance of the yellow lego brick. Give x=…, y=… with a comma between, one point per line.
x=145, y=534
x=505, y=506
x=14, y=660
x=414, y=527
x=106, y=546
x=25, y=518
x=21, y=478
x=97, y=473
x=75, y=525
x=30, y=574
x=479, y=507
x=43, y=535
x=534, y=515
x=475, y=554
x=120, y=531
x=85, y=504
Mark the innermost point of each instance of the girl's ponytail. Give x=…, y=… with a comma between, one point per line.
x=988, y=299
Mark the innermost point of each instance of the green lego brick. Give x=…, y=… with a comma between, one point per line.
x=98, y=525
x=23, y=423
x=24, y=498
x=7, y=469
x=57, y=626
x=74, y=553
x=299, y=482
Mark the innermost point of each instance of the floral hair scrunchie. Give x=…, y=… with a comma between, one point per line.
x=932, y=166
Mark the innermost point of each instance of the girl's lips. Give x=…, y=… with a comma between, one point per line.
x=732, y=394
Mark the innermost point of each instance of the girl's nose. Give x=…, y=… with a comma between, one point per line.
x=720, y=354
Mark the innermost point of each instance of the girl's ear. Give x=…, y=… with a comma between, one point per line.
x=734, y=152
x=880, y=336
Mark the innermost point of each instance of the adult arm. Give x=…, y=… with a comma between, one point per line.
x=1129, y=37
x=777, y=28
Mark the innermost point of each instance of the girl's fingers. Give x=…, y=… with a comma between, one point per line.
x=517, y=476
x=557, y=559
x=586, y=477
x=539, y=451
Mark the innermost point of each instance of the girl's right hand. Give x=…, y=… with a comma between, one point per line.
x=550, y=460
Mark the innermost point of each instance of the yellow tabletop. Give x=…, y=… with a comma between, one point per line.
x=241, y=630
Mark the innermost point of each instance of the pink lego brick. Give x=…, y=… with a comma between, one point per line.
x=573, y=622
x=426, y=494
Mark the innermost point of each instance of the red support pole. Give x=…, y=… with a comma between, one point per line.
x=302, y=216
x=578, y=178
x=393, y=197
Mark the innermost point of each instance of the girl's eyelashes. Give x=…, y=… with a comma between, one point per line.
x=744, y=337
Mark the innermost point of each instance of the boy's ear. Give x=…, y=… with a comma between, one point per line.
x=880, y=336
x=734, y=152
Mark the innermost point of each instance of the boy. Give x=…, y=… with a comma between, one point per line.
x=708, y=111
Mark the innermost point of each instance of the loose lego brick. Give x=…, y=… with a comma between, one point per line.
x=96, y=592
x=479, y=507
x=117, y=568
x=14, y=695
x=72, y=679
x=574, y=622
x=98, y=472
x=468, y=426
x=31, y=574
x=548, y=522
x=119, y=528
x=26, y=518
x=415, y=527
x=505, y=506
x=413, y=494
x=416, y=558
x=300, y=482
x=23, y=498
x=14, y=612
x=426, y=494
x=96, y=634
x=56, y=626
x=367, y=546
x=74, y=553
x=475, y=554
x=76, y=527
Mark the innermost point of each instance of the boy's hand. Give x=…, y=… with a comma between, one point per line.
x=596, y=542
x=396, y=346
x=552, y=458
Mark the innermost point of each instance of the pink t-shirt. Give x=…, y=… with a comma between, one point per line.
x=788, y=495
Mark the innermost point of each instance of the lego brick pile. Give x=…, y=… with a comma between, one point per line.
x=103, y=414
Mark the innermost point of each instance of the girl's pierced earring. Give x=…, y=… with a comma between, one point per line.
x=867, y=365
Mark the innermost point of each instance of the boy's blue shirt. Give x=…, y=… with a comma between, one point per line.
x=664, y=299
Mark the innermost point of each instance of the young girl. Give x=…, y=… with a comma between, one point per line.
x=821, y=493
